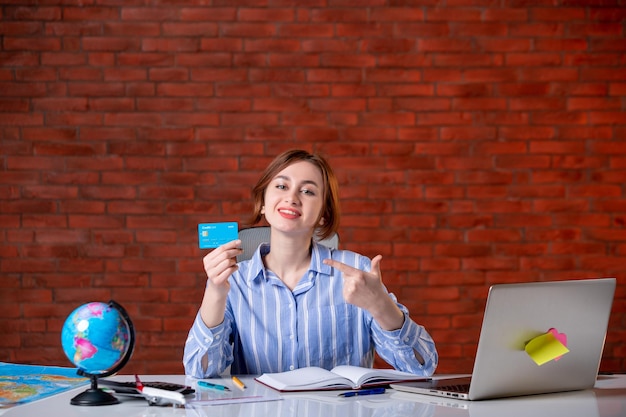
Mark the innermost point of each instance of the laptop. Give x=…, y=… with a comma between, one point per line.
x=514, y=315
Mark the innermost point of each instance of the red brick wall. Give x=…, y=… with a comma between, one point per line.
x=476, y=142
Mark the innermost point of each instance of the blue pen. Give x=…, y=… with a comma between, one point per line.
x=363, y=392
x=205, y=384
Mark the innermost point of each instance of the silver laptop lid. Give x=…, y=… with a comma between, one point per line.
x=517, y=313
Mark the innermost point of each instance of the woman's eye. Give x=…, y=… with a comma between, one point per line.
x=307, y=191
x=281, y=186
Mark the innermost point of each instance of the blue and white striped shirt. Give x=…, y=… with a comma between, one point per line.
x=269, y=328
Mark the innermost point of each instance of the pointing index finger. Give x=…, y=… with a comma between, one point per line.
x=339, y=265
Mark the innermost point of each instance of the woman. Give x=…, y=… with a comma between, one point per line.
x=297, y=303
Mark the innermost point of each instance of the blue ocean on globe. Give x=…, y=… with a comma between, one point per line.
x=95, y=337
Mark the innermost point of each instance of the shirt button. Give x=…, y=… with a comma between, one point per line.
x=397, y=342
x=291, y=337
x=207, y=340
x=217, y=337
x=291, y=368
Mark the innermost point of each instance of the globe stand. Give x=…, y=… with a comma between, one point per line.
x=94, y=395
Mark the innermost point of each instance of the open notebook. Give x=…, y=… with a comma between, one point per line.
x=340, y=377
x=535, y=338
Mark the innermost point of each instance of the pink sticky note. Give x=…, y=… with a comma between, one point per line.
x=561, y=337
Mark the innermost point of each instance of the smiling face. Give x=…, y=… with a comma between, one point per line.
x=328, y=188
x=294, y=198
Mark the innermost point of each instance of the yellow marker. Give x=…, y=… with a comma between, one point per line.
x=545, y=348
x=238, y=382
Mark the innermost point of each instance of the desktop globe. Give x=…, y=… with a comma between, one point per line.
x=99, y=339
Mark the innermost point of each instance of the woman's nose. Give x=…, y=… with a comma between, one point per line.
x=293, y=198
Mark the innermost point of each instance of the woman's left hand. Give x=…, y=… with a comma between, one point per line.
x=360, y=288
x=365, y=290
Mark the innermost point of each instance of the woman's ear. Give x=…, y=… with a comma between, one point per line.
x=262, y=209
x=322, y=221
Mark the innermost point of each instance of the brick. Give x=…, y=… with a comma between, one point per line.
x=439, y=118
x=592, y=59
x=465, y=15
x=491, y=75
x=346, y=60
x=304, y=119
x=450, y=308
x=504, y=14
x=606, y=74
x=565, y=14
x=132, y=119
x=340, y=75
x=573, y=162
x=301, y=30
x=62, y=59
x=454, y=60
x=394, y=90
x=561, y=45
x=290, y=60
x=29, y=44
x=562, y=118
x=412, y=252
x=504, y=45
x=493, y=147
x=168, y=74
x=154, y=59
x=221, y=14
x=106, y=192
x=21, y=28
x=472, y=29
x=344, y=119
x=557, y=147
x=396, y=150
x=363, y=30
x=69, y=149
x=606, y=117
x=482, y=104
x=272, y=45
x=73, y=119
x=21, y=119
x=319, y=134
x=39, y=74
x=16, y=105
x=389, y=46
x=271, y=15
x=537, y=103
x=327, y=45
x=610, y=177
x=397, y=119
x=534, y=59
x=604, y=29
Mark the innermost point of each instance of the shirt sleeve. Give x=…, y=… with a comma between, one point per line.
x=399, y=347
x=207, y=350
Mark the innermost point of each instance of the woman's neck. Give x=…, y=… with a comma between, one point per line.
x=289, y=257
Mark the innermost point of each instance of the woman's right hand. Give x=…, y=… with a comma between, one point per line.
x=219, y=264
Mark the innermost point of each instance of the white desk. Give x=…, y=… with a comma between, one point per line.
x=607, y=399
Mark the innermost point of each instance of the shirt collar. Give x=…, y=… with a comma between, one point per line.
x=319, y=252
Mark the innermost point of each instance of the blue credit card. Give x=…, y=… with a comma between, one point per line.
x=212, y=235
